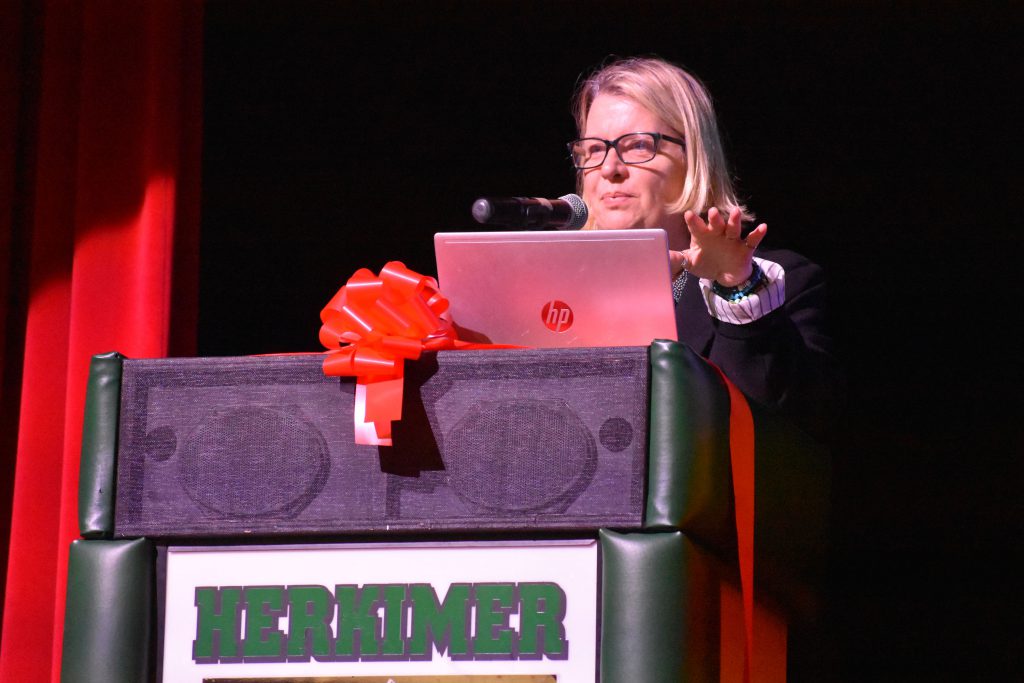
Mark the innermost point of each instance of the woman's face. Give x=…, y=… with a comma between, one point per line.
x=621, y=196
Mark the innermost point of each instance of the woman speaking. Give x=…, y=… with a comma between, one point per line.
x=649, y=155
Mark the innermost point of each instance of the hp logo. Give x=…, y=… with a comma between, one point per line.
x=556, y=315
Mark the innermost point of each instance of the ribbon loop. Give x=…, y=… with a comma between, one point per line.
x=370, y=327
x=403, y=283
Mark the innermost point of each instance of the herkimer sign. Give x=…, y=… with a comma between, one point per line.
x=478, y=609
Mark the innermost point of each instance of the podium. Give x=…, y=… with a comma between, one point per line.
x=576, y=507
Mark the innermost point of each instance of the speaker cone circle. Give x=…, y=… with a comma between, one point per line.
x=254, y=462
x=520, y=455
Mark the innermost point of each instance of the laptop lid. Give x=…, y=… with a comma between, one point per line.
x=558, y=288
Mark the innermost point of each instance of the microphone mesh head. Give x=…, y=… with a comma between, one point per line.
x=579, y=212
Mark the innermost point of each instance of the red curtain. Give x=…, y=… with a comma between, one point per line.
x=99, y=189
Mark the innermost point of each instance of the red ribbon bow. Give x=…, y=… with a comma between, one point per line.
x=371, y=326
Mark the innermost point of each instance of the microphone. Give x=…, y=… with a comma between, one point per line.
x=568, y=212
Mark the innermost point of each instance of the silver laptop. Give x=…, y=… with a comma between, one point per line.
x=558, y=288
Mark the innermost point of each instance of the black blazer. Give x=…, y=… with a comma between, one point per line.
x=786, y=360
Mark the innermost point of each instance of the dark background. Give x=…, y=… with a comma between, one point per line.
x=878, y=139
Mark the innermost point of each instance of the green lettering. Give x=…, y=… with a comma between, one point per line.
x=372, y=621
x=392, y=644
x=542, y=608
x=217, y=624
x=357, y=620
x=440, y=625
x=494, y=603
x=310, y=613
x=263, y=606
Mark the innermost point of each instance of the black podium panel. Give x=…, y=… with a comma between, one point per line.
x=489, y=440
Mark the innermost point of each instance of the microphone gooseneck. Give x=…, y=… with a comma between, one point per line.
x=568, y=212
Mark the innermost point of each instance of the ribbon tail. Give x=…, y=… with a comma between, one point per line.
x=378, y=404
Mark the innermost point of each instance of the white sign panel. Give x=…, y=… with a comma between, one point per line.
x=525, y=610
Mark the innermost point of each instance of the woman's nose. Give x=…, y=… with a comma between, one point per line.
x=612, y=165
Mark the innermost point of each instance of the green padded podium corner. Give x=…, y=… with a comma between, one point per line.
x=659, y=609
x=99, y=447
x=689, y=475
x=108, y=620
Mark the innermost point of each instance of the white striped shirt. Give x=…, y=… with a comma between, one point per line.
x=753, y=306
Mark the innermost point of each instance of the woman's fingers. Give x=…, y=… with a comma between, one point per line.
x=756, y=235
x=715, y=220
x=695, y=223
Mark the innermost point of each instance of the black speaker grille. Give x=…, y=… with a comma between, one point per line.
x=506, y=439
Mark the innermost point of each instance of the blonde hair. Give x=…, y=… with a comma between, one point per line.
x=681, y=101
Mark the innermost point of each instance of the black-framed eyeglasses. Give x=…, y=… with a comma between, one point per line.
x=632, y=148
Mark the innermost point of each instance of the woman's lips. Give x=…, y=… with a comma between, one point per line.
x=613, y=199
